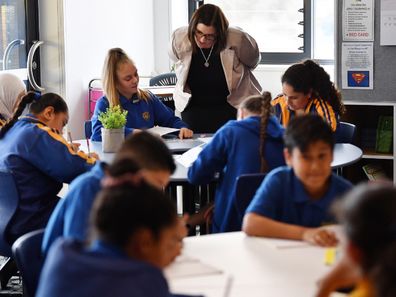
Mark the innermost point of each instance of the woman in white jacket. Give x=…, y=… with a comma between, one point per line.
x=213, y=64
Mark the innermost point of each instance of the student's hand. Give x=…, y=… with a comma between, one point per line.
x=135, y=131
x=185, y=133
x=75, y=146
x=182, y=227
x=94, y=155
x=320, y=236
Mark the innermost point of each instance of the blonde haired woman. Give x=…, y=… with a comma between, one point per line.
x=145, y=110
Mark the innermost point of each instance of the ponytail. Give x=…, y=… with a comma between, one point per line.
x=260, y=105
x=265, y=114
x=37, y=104
x=323, y=87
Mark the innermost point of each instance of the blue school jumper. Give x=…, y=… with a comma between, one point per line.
x=71, y=216
x=142, y=114
x=314, y=106
x=101, y=270
x=282, y=197
x=40, y=160
x=234, y=150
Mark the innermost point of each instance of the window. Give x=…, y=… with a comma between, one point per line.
x=283, y=29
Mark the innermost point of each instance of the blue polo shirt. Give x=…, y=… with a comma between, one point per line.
x=142, y=114
x=282, y=197
x=71, y=215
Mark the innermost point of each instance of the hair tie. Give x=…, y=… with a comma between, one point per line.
x=37, y=96
x=134, y=179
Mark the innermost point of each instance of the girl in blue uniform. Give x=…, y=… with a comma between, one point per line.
x=135, y=232
x=145, y=110
x=307, y=89
x=250, y=145
x=40, y=159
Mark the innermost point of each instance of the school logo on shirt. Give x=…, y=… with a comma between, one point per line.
x=146, y=116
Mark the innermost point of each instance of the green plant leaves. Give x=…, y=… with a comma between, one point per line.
x=113, y=118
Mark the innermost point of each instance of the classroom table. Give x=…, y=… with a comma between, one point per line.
x=344, y=154
x=235, y=265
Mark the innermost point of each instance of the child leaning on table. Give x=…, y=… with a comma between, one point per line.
x=293, y=202
x=135, y=235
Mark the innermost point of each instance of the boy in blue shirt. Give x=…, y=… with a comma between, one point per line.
x=293, y=202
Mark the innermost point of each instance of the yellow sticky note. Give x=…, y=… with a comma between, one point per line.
x=330, y=256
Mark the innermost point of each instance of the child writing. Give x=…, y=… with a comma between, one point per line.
x=135, y=235
x=70, y=217
x=251, y=144
x=307, y=89
x=293, y=202
x=40, y=159
x=368, y=216
x=145, y=110
x=12, y=89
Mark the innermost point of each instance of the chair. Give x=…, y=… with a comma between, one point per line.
x=345, y=133
x=88, y=129
x=246, y=187
x=165, y=79
x=29, y=260
x=9, y=200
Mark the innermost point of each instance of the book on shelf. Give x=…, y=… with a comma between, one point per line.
x=374, y=172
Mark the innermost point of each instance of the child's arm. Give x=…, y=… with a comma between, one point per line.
x=258, y=225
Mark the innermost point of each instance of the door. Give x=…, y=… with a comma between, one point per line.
x=19, y=40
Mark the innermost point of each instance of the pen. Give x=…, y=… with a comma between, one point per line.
x=89, y=151
x=70, y=137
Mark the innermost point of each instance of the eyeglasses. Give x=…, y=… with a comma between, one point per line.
x=209, y=37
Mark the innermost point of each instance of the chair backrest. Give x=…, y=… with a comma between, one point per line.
x=345, y=132
x=246, y=187
x=165, y=79
x=95, y=92
x=9, y=200
x=88, y=129
x=29, y=260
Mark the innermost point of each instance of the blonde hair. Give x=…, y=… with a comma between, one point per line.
x=115, y=57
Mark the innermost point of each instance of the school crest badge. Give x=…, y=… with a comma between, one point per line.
x=146, y=116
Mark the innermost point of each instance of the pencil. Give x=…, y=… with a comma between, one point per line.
x=89, y=151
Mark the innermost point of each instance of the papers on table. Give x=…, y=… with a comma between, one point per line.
x=161, y=130
x=185, y=266
x=187, y=158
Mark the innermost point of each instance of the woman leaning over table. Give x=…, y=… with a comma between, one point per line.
x=213, y=64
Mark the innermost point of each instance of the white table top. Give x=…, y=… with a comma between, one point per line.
x=344, y=154
x=250, y=266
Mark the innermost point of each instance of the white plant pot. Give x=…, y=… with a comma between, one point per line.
x=112, y=139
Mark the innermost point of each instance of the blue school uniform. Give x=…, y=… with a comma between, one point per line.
x=282, y=197
x=234, y=150
x=40, y=160
x=101, y=270
x=315, y=106
x=142, y=114
x=71, y=215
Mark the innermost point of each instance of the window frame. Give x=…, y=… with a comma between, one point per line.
x=277, y=58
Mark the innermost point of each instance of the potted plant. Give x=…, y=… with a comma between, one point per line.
x=113, y=121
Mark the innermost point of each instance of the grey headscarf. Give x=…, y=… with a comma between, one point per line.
x=10, y=87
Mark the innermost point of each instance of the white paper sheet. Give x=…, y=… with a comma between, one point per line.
x=161, y=130
x=185, y=266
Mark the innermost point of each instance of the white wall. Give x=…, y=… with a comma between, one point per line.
x=90, y=28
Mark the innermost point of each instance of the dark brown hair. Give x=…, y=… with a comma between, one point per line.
x=261, y=105
x=37, y=104
x=209, y=15
x=368, y=214
x=121, y=210
x=309, y=75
